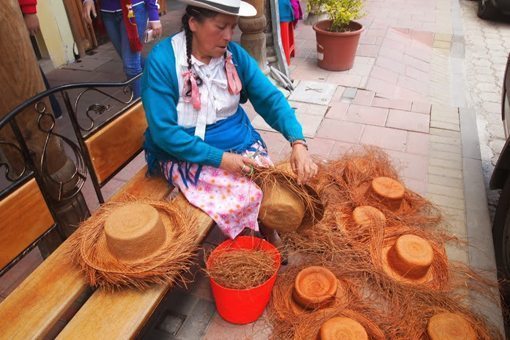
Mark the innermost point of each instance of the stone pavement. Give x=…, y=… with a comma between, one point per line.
x=487, y=46
x=405, y=93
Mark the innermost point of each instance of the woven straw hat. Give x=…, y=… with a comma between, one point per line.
x=409, y=258
x=365, y=215
x=135, y=244
x=342, y=328
x=450, y=326
x=389, y=190
x=281, y=208
x=315, y=287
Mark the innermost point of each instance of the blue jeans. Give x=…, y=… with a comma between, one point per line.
x=132, y=61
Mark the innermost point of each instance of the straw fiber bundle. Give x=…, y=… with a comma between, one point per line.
x=307, y=326
x=165, y=265
x=445, y=314
x=388, y=248
x=241, y=268
x=350, y=180
x=291, y=321
x=283, y=303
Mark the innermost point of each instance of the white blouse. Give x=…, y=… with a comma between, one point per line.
x=217, y=102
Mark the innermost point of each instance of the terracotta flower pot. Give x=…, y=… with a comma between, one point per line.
x=336, y=50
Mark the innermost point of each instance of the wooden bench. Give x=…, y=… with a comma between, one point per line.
x=34, y=308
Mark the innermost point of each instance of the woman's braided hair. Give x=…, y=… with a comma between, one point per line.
x=199, y=14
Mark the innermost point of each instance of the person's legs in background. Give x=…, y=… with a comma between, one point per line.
x=116, y=30
x=113, y=24
x=133, y=64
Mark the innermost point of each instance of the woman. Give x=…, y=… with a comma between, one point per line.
x=199, y=137
x=125, y=22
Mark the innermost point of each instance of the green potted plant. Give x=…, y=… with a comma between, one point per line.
x=338, y=37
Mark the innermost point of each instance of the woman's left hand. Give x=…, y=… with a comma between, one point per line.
x=156, y=28
x=302, y=164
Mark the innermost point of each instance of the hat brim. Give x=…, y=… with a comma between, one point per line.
x=245, y=9
x=166, y=264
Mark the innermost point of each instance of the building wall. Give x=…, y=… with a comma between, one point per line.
x=56, y=32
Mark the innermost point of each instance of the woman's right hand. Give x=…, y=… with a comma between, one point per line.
x=237, y=164
x=88, y=8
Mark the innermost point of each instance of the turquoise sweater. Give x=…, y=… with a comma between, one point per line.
x=160, y=95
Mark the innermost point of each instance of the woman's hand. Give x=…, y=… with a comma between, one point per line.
x=302, y=164
x=237, y=164
x=156, y=28
x=88, y=8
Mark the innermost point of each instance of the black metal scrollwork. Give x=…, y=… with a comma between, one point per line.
x=74, y=179
x=10, y=174
x=95, y=110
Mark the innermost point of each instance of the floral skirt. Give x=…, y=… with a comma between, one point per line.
x=231, y=200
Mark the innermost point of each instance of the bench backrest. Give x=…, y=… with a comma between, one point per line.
x=117, y=143
x=108, y=147
x=25, y=219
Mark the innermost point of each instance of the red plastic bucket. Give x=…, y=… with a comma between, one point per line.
x=242, y=306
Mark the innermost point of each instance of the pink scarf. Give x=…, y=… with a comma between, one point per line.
x=234, y=84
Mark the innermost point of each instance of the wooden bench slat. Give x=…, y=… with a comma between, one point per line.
x=22, y=226
x=52, y=288
x=117, y=142
x=127, y=310
x=44, y=297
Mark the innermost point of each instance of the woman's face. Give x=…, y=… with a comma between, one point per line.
x=211, y=36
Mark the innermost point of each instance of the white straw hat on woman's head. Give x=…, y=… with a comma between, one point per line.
x=232, y=7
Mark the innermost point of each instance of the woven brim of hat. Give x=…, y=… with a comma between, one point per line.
x=286, y=205
x=163, y=264
x=413, y=259
x=450, y=326
x=245, y=9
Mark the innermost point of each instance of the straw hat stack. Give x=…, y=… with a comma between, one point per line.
x=134, y=244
